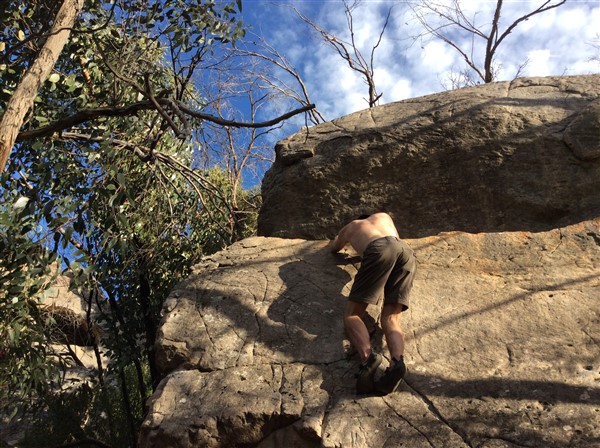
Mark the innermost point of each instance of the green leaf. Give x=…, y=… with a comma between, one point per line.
x=113, y=198
x=54, y=77
x=67, y=236
x=111, y=244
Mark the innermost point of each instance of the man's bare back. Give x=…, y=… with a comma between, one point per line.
x=360, y=232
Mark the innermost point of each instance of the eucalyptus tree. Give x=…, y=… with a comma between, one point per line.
x=24, y=93
x=112, y=178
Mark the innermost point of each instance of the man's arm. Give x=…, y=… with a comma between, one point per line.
x=341, y=239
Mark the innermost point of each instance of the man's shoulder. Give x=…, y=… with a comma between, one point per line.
x=380, y=215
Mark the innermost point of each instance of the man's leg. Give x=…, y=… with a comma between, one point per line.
x=357, y=330
x=394, y=335
x=361, y=341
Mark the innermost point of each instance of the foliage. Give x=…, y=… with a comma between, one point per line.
x=25, y=272
x=123, y=230
x=114, y=198
x=61, y=418
x=84, y=411
x=121, y=178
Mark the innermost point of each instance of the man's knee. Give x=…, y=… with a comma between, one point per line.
x=390, y=315
x=355, y=309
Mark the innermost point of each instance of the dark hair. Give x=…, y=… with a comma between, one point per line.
x=363, y=216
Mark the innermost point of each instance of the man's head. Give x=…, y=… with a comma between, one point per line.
x=363, y=216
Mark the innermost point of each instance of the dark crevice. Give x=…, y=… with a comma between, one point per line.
x=434, y=410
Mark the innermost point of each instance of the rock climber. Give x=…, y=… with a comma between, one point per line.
x=388, y=266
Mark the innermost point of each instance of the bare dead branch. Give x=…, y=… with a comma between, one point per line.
x=452, y=16
x=539, y=10
x=273, y=56
x=349, y=51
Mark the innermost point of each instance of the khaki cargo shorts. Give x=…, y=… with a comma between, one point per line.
x=388, y=266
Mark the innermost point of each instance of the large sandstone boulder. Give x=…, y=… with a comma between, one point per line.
x=503, y=348
x=519, y=155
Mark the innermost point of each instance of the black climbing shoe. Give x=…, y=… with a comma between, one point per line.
x=365, y=383
x=392, y=377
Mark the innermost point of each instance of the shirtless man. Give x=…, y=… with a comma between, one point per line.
x=388, y=265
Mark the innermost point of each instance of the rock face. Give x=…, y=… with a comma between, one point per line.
x=503, y=332
x=68, y=309
x=503, y=347
x=520, y=155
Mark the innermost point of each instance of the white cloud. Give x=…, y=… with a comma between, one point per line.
x=400, y=90
x=539, y=63
x=437, y=56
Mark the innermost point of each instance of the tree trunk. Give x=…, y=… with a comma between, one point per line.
x=22, y=99
x=150, y=326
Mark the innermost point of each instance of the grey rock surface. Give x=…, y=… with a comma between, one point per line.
x=503, y=347
x=518, y=155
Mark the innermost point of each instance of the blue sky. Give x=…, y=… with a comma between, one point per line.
x=562, y=41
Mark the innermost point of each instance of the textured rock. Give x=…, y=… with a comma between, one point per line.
x=503, y=347
x=69, y=311
x=520, y=155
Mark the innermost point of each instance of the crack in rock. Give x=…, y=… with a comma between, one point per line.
x=431, y=444
x=434, y=410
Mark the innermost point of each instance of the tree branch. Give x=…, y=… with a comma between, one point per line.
x=280, y=61
x=90, y=114
x=526, y=17
x=240, y=124
x=84, y=116
x=452, y=16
